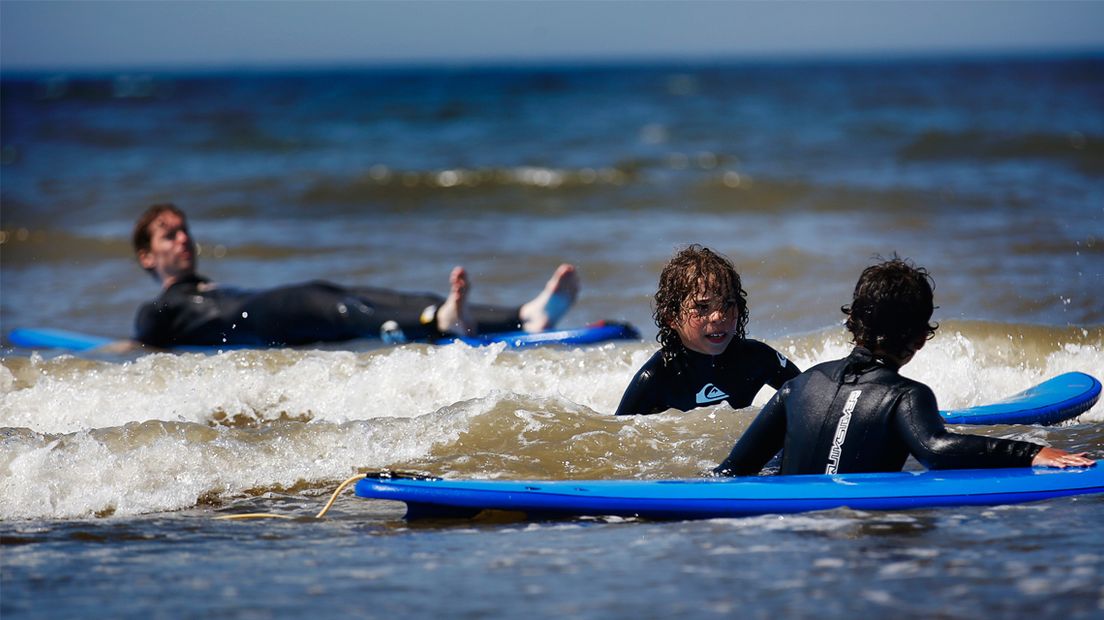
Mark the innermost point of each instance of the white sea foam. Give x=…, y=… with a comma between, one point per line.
x=65, y=395
x=165, y=432
x=158, y=466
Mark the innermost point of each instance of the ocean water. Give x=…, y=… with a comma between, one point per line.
x=113, y=468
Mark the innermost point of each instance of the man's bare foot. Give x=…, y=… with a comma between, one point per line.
x=452, y=316
x=547, y=308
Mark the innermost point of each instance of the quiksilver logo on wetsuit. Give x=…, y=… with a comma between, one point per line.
x=710, y=394
x=841, y=432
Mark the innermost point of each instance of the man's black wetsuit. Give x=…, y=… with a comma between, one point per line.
x=192, y=312
x=859, y=415
x=692, y=380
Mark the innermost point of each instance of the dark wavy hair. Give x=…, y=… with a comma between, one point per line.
x=140, y=237
x=695, y=268
x=892, y=306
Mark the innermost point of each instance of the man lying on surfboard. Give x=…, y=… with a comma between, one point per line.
x=192, y=310
x=704, y=357
x=858, y=414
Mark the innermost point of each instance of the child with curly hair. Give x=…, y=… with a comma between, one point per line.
x=704, y=357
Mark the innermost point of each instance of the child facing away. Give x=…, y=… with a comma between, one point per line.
x=704, y=357
x=858, y=414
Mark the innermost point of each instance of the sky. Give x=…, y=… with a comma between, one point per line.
x=95, y=34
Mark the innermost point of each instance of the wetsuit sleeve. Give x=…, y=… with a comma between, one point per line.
x=920, y=425
x=760, y=442
x=642, y=395
x=150, y=326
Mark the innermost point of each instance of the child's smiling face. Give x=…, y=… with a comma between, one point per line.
x=707, y=322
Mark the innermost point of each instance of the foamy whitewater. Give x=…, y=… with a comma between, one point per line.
x=170, y=431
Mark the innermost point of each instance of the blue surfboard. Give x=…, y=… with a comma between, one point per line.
x=708, y=498
x=1054, y=400
x=48, y=338
x=594, y=333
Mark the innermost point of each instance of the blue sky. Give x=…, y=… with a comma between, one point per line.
x=151, y=34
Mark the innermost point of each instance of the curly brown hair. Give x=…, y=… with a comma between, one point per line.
x=892, y=305
x=693, y=270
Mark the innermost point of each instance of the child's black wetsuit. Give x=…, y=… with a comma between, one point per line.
x=190, y=314
x=859, y=415
x=692, y=380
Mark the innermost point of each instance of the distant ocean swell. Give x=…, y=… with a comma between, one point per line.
x=540, y=191
x=1085, y=152
x=1077, y=150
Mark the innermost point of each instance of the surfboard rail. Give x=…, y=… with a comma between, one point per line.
x=1060, y=398
x=708, y=498
x=592, y=333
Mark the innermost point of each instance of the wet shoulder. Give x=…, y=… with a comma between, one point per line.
x=651, y=369
x=892, y=384
x=186, y=287
x=915, y=389
x=754, y=351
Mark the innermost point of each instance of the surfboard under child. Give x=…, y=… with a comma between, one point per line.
x=708, y=498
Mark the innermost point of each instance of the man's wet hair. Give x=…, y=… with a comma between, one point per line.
x=892, y=305
x=141, y=236
x=693, y=270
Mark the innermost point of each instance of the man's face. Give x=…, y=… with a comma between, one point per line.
x=171, y=254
